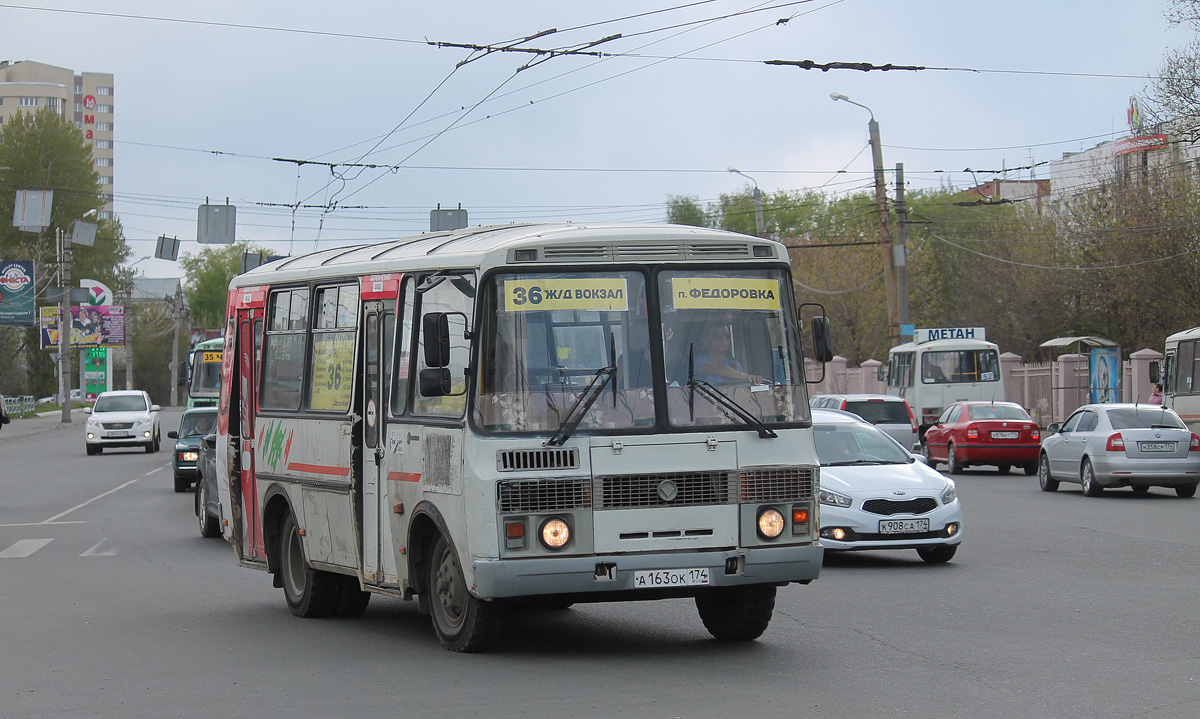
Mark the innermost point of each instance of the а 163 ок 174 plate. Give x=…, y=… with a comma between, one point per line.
x=903, y=526
x=652, y=578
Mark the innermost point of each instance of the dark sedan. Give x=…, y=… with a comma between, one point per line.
x=195, y=424
x=208, y=508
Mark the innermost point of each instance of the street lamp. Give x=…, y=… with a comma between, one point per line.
x=897, y=302
x=758, y=211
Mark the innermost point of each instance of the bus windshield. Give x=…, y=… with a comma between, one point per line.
x=206, y=376
x=546, y=337
x=960, y=366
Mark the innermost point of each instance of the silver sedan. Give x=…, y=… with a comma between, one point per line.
x=1121, y=445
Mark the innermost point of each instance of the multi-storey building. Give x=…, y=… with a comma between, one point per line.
x=85, y=97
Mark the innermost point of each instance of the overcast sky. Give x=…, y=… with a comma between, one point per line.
x=575, y=137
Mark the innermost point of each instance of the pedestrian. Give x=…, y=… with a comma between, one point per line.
x=1156, y=395
x=3, y=417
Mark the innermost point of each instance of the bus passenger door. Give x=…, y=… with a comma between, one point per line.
x=249, y=346
x=378, y=330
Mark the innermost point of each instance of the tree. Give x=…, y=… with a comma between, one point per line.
x=207, y=277
x=1175, y=93
x=683, y=210
x=44, y=151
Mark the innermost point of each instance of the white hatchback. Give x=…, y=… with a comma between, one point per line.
x=875, y=494
x=123, y=418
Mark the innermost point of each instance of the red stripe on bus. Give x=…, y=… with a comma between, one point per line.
x=319, y=469
x=404, y=476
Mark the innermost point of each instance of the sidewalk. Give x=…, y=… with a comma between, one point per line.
x=25, y=426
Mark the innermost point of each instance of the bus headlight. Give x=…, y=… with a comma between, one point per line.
x=770, y=523
x=555, y=533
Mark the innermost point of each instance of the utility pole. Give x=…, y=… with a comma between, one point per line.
x=901, y=250
x=64, y=324
x=128, y=339
x=178, y=311
x=885, y=234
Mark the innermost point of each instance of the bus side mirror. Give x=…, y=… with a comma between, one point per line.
x=434, y=382
x=822, y=341
x=1155, y=372
x=880, y=373
x=435, y=328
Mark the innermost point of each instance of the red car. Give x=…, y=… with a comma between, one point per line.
x=999, y=433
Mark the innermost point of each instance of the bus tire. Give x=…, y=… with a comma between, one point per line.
x=351, y=600
x=310, y=593
x=736, y=614
x=463, y=622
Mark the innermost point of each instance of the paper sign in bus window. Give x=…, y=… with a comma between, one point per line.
x=592, y=294
x=725, y=293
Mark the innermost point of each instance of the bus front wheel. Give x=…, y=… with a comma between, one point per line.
x=310, y=592
x=736, y=614
x=463, y=622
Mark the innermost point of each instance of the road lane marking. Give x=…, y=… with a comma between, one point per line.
x=60, y=515
x=39, y=524
x=24, y=548
x=95, y=550
x=147, y=474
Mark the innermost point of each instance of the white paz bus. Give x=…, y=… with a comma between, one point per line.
x=529, y=415
x=1180, y=376
x=941, y=366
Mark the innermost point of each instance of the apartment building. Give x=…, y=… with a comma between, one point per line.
x=84, y=97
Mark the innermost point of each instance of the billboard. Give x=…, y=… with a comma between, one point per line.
x=17, y=306
x=100, y=326
x=1104, y=366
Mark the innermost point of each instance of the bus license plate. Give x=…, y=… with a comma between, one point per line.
x=652, y=578
x=1156, y=446
x=1005, y=435
x=903, y=526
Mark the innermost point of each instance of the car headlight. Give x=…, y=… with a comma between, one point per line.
x=949, y=494
x=834, y=499
x=144, y=420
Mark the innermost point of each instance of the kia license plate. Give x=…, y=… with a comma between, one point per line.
x=903, y=526
x=1005, y=435
x=1156, y=446
x=652, y=578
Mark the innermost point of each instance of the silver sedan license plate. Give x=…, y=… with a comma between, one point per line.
x=649, y=579
x=1156, y=446
x=903, y=526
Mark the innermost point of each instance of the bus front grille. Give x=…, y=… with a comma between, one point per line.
x=777, y=484
x=515, y=460
x=533, y=496
x=672, y=489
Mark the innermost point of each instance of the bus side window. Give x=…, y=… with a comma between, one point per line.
x=454, y=296
x=403, y=353
x=1184, y=384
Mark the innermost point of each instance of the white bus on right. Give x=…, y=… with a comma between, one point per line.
x=1180, y=377
x=944, y=365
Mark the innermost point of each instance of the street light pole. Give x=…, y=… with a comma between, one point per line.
x=759, y=224
x=64, y=323
x=885, y=234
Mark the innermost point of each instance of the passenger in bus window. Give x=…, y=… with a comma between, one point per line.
x=716, y=364
x=933, y=373
x=1156, y=396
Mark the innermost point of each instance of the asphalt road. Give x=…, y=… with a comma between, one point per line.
x=1057, y=605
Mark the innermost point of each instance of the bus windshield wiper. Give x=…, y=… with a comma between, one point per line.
x=714, y=396
x=588, y=397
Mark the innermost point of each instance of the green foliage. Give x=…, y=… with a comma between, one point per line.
x=682, y=210
x=207, y=276
x=44, y=151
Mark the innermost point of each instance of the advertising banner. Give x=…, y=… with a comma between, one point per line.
x=102, y=326
x=17, y=296
x=1104, y=366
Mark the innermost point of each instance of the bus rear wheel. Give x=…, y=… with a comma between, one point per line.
x=736, y=614
x=310, y=593
x=463, y=622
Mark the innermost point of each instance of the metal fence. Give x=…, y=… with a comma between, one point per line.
x=19, y=406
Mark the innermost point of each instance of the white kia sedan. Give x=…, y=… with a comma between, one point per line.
x=875, y=494
x=124, y=418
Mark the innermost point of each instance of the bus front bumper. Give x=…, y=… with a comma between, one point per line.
x=606, y=576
